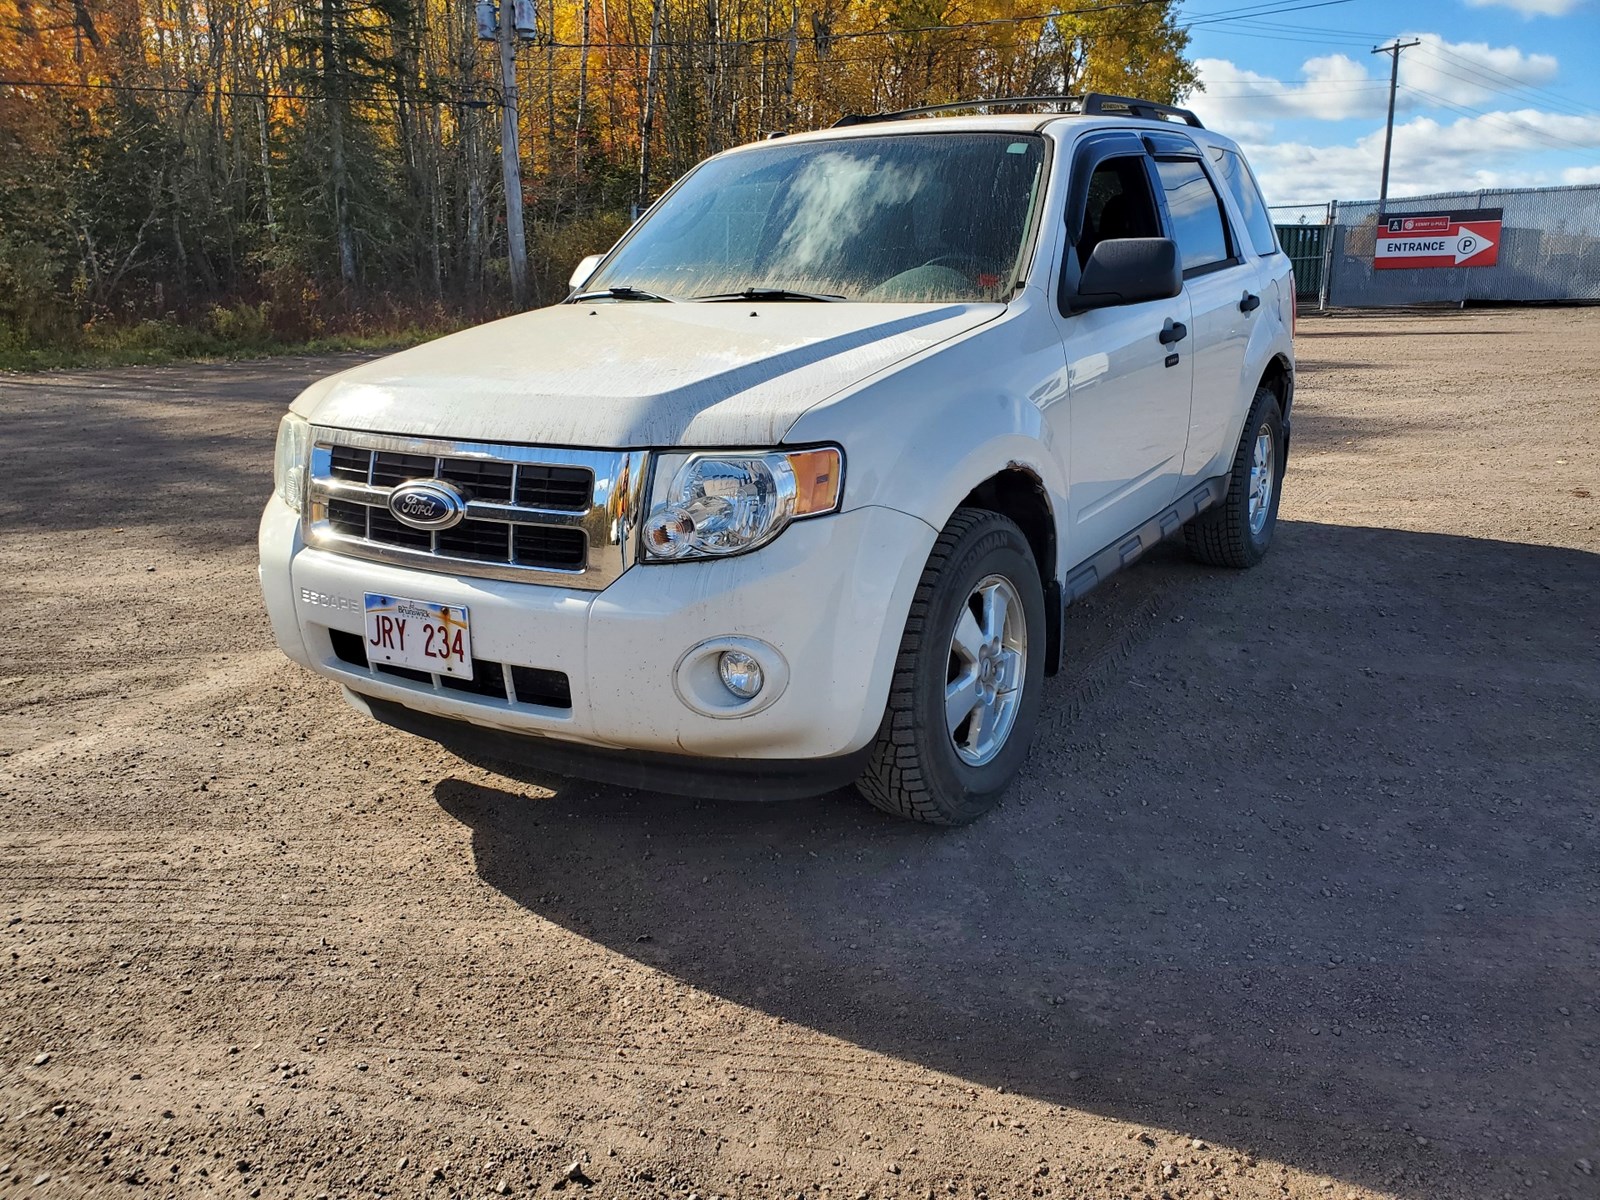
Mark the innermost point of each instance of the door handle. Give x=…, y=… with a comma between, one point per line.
x=1250, y=303
x=1174, y=332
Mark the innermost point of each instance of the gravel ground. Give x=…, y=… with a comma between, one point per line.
x=1300, y=895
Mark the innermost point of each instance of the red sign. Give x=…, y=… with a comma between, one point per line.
x=1438, y=239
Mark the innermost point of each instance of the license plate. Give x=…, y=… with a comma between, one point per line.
x=419, y=634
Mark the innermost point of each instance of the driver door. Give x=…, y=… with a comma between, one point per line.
x=1128, y=391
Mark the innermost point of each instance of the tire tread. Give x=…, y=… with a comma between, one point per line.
x=894, y=780
x=1218, y=536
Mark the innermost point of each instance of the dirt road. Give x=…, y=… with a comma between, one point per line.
x=1300, y=895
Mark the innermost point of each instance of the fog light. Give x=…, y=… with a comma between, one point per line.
x=741, y=673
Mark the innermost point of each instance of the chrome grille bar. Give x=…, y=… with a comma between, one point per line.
x=587, y=546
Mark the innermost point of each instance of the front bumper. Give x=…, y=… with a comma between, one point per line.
x=829, y=598
x=688, y=775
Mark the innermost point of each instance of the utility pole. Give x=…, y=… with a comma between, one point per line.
x=511, y=155
x=1388, y=130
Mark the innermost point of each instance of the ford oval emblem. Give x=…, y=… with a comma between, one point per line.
x=427, y=504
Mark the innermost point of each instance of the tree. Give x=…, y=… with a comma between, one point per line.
x=333, y=161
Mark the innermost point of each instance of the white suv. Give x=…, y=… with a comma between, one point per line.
x=794, y=489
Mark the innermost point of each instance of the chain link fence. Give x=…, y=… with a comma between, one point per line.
x=1303, y=234
x=1549, y=250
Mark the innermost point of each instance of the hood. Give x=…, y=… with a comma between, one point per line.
x=634, y=374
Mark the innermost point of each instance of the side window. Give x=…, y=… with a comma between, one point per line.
x=1119, y=204
x=1197, y=223
x=1236, y=176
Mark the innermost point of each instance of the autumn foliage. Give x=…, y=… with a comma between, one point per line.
x=271, y=169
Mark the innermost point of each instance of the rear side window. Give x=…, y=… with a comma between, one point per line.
x=1197, y=222
x=1237, y=178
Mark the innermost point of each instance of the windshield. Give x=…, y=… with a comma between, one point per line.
x=934, y=217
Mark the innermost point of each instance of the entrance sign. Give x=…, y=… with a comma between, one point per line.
x=1469, y=238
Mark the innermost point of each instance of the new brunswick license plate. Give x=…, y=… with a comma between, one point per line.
x=419, y=634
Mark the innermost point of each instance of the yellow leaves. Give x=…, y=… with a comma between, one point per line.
x=727, y=68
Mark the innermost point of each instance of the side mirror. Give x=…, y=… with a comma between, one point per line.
x=584, y=271
x=1130, y=271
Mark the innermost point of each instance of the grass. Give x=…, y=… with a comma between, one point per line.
x=156, y=342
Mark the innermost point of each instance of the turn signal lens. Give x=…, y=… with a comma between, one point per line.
x=816, y=481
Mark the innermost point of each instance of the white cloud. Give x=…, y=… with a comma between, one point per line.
x=1438, y=146
x=1429, y=156
x=1581, y=175
x=1336, y=87
x=1470, y=72
x=1531, y=8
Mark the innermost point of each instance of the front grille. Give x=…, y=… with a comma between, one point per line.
x=561, y=488
x=492, y=480
x=486, y=540
x=349, y=463
x=349, y=519
x=536, y=485
x=389, y=470
x=539, y=543
x=537, y=686
x=535, y=515
x=384, y=527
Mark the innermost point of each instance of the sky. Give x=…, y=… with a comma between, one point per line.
x=1501, y=93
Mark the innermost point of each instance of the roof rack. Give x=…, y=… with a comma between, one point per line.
x=1090, y=104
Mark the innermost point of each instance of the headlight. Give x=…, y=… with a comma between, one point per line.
x=714, y=504
x=289, y=460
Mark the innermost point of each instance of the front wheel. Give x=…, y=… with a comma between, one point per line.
x=1237, y=532
x=968, y=680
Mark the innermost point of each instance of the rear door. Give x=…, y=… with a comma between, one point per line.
x=1224, y=289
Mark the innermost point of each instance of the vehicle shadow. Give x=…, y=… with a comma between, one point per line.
x=1310, y=870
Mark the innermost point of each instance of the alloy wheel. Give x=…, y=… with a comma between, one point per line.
x=988, y=662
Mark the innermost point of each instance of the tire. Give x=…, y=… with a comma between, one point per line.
x=917, y=768
x=1232, y=534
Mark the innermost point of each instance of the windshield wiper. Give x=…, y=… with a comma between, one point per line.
x=623, y=293
x=772, y=293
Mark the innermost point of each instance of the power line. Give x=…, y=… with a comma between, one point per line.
x=1484, y=84
x=1325, y=32
x=1265, y=8
x=1482, y=72
x=477, y=100
x=1307, y=91
x=1339, y=86
x=1215, y=19
x=1269, y=7
x=467, y=101
x=1286, y=38
x=1478, y=73
x=1364, y=81
x=1512, y=122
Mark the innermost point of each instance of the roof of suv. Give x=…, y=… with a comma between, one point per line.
x=1009, y=123
x=1084, y=104
x=1092, y=108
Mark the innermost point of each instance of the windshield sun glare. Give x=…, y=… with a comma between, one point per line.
x=908, y=218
